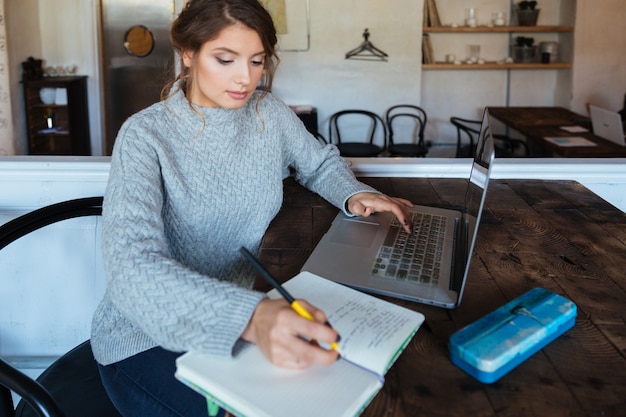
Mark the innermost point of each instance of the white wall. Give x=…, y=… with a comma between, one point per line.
x=599, y=75
x=323, y=78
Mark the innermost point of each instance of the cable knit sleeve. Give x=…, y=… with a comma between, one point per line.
x=318, y=167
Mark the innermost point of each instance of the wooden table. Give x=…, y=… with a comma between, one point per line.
x=552, y=234
x=536, y=123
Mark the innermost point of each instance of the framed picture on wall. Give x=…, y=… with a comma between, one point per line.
x=292, y=21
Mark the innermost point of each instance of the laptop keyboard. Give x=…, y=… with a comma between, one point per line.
x=416, y=256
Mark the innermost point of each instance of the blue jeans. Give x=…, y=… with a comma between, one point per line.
x=144, y=385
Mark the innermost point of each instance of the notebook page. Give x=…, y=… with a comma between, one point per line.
x=570, y=141
x=255, y=387
x=373, y=331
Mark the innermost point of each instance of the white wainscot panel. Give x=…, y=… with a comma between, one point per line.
x=44, y=274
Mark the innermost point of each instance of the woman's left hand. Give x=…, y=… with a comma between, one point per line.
x=364, y=204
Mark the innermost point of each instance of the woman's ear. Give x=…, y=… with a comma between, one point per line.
x=187, y=56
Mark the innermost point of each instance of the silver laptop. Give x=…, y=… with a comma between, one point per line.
x=608, y=125
x=430, y=265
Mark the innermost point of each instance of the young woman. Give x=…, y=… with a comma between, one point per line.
x=193, y=178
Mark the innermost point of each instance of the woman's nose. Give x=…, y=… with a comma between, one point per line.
x=243, y=75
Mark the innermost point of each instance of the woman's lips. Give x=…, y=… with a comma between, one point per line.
x=238, y=95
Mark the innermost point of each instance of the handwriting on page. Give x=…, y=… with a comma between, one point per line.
x=366, y=324
x=372, y=330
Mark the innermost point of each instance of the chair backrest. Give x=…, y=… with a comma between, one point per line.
x=469, y=130
x=363, y=126
x=414, y=115
x=29, y=222
x=36, y=393
x=505, y=146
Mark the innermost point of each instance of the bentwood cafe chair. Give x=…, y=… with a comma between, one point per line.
x=413, y=119
x=467, y=138
x=357, y=133
x=71, y=386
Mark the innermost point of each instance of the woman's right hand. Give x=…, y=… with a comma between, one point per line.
x=283, y=336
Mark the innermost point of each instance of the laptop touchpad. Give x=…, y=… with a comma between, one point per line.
x=355, y=233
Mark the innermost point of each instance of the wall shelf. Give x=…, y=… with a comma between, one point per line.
x=495, y=66
x=502, y=30
x=496, y=29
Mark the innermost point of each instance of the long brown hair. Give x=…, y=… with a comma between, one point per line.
x=203, y=20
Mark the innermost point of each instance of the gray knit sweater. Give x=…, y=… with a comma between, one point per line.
x=185, y=192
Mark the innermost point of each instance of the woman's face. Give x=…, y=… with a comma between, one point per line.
x=227, y=69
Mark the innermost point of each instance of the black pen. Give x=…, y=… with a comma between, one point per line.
x=302, y=312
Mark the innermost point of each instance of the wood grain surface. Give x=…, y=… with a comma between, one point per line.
x=552, y=234
x=537, y=123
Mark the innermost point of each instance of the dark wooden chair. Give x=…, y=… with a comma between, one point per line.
x=413, y=119
x=365, y=130
x=71, y=386
x=467, y=132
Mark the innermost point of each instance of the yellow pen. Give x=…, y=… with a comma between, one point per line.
x=298, y=308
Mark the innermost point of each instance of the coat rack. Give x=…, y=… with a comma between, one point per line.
x=367, y=51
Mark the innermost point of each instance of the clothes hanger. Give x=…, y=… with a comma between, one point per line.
x=367, y=51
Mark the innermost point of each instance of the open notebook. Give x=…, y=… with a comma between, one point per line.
x=373, y=333
x=430, y=265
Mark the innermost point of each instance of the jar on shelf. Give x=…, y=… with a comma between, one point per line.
x=550, y=48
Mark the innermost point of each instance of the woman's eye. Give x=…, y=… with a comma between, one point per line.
x=258, y=62
x=224, y=61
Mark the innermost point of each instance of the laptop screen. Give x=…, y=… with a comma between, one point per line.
x=475, y=197
x=608, y=125
x=479, y=179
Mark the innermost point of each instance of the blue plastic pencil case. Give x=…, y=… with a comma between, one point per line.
x=493, y=345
